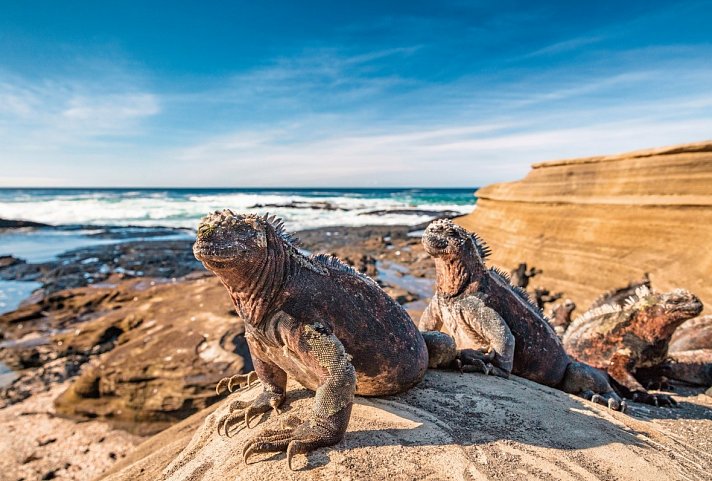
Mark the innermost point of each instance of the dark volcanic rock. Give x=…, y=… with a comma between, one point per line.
x=296, y=204
x=7, y=261
x=420, y=212
x=81, y=267
x=16, y=224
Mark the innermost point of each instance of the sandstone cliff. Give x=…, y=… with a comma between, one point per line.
x=596, y=223
x=449, y=427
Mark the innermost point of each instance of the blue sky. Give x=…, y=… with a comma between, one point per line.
x=245, y=94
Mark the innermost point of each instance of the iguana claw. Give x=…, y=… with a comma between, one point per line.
x=301, y=439
x=237, y=379
x=245, y=410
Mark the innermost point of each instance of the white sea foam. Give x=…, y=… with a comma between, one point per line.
x=175, y=209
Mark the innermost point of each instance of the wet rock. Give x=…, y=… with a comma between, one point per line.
x=297, y=204
x=97, y=264
x=170, y=347
x=7, y=261
x=448, y=214
x=401, y=295
x=17, y=224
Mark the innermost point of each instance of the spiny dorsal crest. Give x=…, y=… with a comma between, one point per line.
x=606, y=297
x=639, y=299
x=518, y=291
x=482, y=248
x=278, y=225
x=600, y=311
x=334, y=262
x=292, y=243
x=500, y=273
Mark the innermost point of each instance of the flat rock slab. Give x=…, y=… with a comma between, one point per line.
x=451, y=426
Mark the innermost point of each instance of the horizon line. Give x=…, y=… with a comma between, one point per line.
x=234, y=188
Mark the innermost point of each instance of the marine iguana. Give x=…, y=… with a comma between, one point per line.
x=521, y=276
x=622, y=339
x=316, y=319
x=620, y=295
x=482, y=310
x=689, y=354
x=561, y=316
x=544, y=296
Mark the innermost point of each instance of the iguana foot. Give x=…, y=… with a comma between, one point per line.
x=472, y=360
x=236, y=380
x=244, y=410
x=296, y=438
x=658, y=400
x=661, y=384
x=609, y=399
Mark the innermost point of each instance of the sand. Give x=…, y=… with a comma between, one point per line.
x=36, y=444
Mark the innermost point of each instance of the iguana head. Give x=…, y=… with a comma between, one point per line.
x=664, y=308
x=443, y=238
x=229, y=240
x=250, y=254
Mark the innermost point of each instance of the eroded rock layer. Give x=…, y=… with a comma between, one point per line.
x=596, y=223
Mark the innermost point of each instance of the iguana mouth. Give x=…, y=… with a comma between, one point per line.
x=435, y=239
x=684, y=302
x=435, y=244
x=217, y=237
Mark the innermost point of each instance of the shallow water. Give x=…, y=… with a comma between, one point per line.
x=398, y=275
x=7, y=375
x=43, y=245
x=12, y=293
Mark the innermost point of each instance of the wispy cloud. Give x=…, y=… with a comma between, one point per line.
x=418, y=108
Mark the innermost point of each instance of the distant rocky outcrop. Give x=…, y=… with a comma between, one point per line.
x=449, y=427
x=17, y=224
x=594, y=223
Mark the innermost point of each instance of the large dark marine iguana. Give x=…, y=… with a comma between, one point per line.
x=482, y=310
x=627, y=340
x=315, y=319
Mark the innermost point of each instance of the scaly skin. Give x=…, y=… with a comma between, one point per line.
x=690, y=352
x=623, y=339
x=315, y=319
x=619, y=295
x=482, y=310
x=561, y=316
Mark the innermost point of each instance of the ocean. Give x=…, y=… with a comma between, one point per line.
x=82, y=215
x=300, y=208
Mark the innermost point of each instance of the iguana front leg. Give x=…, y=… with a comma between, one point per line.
x=619, y=369
x=274, y=382
x=470, y=316
x=320, y=350
x=474, y=316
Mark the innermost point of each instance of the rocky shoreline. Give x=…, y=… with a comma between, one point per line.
x=130, y=337
x=136, y=333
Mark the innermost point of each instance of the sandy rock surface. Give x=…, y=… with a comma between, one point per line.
x=451, y=426
x=36, y=444
x=596, y=223
x=147, y=352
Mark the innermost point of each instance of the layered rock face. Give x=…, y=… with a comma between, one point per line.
x=595, y=223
